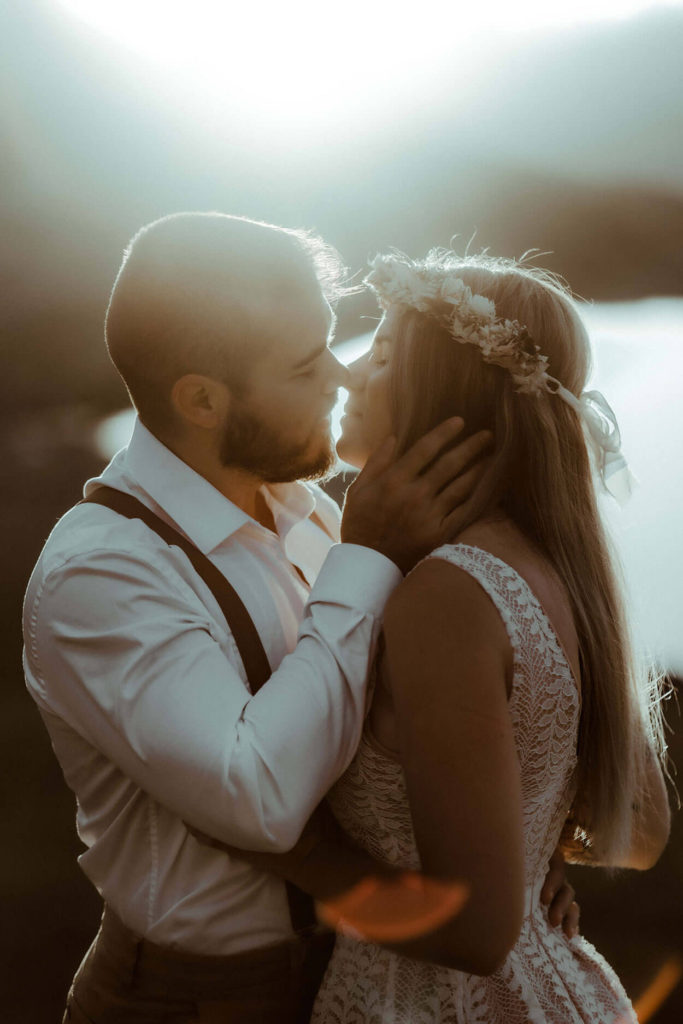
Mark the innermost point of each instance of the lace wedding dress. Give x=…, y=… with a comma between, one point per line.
x=546, y=978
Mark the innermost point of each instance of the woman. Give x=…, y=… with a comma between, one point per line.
x=507, y=695
x=508, y=713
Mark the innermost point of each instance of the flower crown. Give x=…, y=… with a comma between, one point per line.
x=436, y=290
x=469, y=318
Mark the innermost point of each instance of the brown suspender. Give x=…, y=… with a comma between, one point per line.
x=254, y=657
x=240, y=621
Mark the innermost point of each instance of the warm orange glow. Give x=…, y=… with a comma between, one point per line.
x=395, y=910
x=659, y=989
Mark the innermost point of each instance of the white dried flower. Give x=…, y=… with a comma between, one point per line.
x=482, y=307
x=452, y=289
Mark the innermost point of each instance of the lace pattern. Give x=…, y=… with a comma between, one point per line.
x=547, y=978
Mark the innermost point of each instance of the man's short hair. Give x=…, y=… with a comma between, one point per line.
x=192, y=296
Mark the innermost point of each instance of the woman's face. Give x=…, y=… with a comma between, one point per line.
x=367, y=413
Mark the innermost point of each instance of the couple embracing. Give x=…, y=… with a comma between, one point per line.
x=257, y=700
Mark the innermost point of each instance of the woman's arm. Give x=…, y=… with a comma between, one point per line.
x=449, y=662
x=326, y=863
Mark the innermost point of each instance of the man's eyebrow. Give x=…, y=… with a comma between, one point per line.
x=310, y=357
x=320, y=349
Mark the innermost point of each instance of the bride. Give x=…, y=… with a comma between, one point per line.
x=509, y=714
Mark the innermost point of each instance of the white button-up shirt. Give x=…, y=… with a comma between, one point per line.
x=144, y=694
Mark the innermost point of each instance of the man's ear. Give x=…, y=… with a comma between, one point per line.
x=200, y=401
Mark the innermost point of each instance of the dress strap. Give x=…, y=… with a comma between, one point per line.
x=525, y=621
x=503, y=585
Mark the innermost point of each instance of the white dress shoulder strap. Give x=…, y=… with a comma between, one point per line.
x=528, y=628
x=501, y=582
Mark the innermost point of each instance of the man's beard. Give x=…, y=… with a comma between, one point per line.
x=246, y=443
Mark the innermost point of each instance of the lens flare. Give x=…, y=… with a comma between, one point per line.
x=394, y=910
x=659, y=989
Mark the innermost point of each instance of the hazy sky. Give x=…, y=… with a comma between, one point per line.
x=290, y=62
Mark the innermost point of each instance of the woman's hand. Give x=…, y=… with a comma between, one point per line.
x=558, y=895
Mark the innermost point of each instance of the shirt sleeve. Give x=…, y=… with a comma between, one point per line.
x=118, y=649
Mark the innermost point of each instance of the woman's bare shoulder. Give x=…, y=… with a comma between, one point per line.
x=444, y=606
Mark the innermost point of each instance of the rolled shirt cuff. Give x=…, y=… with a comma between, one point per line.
x=356, y=576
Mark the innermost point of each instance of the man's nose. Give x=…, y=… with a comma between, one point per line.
x=339, y=375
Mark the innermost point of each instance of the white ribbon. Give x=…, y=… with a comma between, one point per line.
x=600, y=424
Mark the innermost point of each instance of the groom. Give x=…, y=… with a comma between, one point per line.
x=219, y=327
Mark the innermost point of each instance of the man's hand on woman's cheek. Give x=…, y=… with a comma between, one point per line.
x=405, y=507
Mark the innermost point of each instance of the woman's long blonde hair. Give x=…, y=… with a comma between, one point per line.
x=541, y=477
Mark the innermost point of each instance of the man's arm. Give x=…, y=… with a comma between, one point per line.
x=118, y=649
x=123, y=653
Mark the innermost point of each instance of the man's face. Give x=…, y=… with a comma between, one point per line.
x=279, y=430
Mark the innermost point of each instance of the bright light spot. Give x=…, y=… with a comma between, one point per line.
x=394, y=909
x=113, y=433
x=295, y=60
x=659, y=990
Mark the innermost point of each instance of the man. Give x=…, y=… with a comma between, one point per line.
x=219, y=327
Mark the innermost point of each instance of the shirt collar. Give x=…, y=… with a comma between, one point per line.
x=203, y=514
x=289, y=504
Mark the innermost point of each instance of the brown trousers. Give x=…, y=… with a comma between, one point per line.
x=127, y=980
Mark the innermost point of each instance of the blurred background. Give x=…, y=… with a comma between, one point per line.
x=517, y=126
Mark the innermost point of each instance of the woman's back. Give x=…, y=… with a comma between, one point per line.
x=545, y=977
